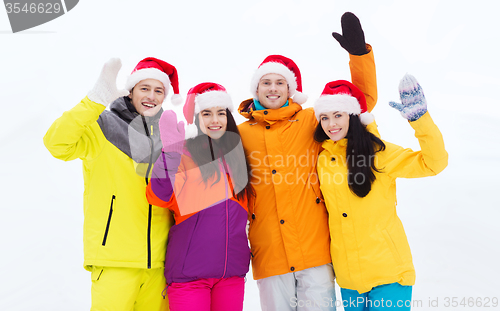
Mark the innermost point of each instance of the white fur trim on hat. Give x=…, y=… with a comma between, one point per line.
x=191, y=131
x=337, y=102
x=212, y=99
x=273, y=67
x=366, y=118
x=148, y=73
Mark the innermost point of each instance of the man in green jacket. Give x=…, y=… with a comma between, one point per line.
x=125, y=237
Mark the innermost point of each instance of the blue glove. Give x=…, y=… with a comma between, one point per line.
x=413, y=104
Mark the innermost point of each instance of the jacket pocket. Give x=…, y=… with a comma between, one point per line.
x=316, y=188
x=96, y=273
x=392, y=246
x=109, y=221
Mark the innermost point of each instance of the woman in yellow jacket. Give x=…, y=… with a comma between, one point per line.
x=357, y=172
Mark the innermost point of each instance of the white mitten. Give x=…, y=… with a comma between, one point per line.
x=105, y=91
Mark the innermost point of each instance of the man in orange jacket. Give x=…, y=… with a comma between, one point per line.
x=288, y=232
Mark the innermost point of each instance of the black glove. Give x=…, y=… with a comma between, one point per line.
x=352, y=38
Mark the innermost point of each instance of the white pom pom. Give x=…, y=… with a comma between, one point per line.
x=176, y=99
x=191, y=131
x=366, y=118
x=299, y=98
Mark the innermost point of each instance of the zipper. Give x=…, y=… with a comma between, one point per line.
x=251, y=207
x=109, y=221
x=150, y=164
x=251, y=221
x=227, y=215
x=149, y=235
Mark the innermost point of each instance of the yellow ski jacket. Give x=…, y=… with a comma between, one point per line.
x=121, y=229
x=368, y=243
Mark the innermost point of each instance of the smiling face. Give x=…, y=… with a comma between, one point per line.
x=272, y=91
x=213, y=122
x=335, y=124
x=147, y=97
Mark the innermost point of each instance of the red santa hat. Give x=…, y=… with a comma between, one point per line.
x=203, y=96
x=153, y=68
x=343, y=96
x=283, y=66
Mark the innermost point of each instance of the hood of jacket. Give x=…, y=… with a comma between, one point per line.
x=269, y=116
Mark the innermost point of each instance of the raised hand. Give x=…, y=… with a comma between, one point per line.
x=171, y=133
x=352, y=38
x=413, y=103
x=105, y=91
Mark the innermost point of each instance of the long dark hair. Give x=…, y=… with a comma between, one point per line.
x=360, y=155
x=205, y=151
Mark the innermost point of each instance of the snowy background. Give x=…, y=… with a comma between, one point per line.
x=451, y=47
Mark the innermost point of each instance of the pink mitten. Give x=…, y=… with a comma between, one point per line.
x=171, y=132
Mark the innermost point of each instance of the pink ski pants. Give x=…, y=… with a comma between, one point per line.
x=207, y=295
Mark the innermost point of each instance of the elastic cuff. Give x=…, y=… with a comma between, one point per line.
x=179, y=147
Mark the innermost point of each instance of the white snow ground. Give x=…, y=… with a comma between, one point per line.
x=450, y=46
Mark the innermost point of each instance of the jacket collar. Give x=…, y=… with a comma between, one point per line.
x=268, y=115
x=125, y=110
x=334, y=146
x=126, y=129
